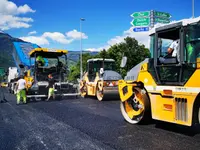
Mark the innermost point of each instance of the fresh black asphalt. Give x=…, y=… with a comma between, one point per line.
x=77, y=123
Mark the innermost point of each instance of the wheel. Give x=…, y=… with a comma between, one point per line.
x=196, y=114
x=83, y=92
x=99, y=93
x=83, y=89
x=137, y=108
x=43, y=98
x=199, y=115
x=37, y=99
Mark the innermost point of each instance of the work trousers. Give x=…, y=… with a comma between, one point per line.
x=51, y=92
x=21, y=93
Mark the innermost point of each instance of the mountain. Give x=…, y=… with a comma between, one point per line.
x=7, y=46
x=75, y=55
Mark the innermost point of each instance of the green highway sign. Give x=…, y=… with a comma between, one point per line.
x=162, y=20
x=141, y=22
x=161, y=14
x=141, y=14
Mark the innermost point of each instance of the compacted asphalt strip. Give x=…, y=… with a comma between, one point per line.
x=77, y=123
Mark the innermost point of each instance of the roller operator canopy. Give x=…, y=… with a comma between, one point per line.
x=173, y=25
x=47, y=52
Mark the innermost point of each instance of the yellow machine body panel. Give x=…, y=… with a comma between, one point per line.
x=175, y=110
x=91, y=86
x=29, y=79
x=100, y=79
x=168, y=80
x=194, y=80
x=168, y=103
x=44, y=52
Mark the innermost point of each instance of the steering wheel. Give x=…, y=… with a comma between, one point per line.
x=168, y=55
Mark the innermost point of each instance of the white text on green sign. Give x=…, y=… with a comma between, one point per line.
x=162, y=20
x=141, y=22
x=162, y=14
x=141, y=14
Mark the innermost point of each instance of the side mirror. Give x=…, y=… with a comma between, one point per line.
x=101, y=71
x=123, y=62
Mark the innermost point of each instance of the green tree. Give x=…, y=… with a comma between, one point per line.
x=75, y=70
x=130, y=48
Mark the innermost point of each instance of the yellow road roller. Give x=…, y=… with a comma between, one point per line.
x=165, y=87
x=100, y=79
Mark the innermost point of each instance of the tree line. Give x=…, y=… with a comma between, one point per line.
x=130, y=48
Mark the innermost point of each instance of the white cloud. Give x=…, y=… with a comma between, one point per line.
x=32, y=32
x=117, y=39
x=9, y=18
x=141, y=37
x=98, y=49
x=24, y=9
x=8, y=21
x=7, y=7
x=74, y=34
x=58, y=37
x=37, y=40
x=91, y=49
x=10, y=8
x=54, y=36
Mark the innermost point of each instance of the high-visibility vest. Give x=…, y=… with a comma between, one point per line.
x=40, y=58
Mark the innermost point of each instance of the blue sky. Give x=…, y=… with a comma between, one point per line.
x=107, y=21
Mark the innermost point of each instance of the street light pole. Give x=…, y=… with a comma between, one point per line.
x=81, y=64
x=192, y=8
